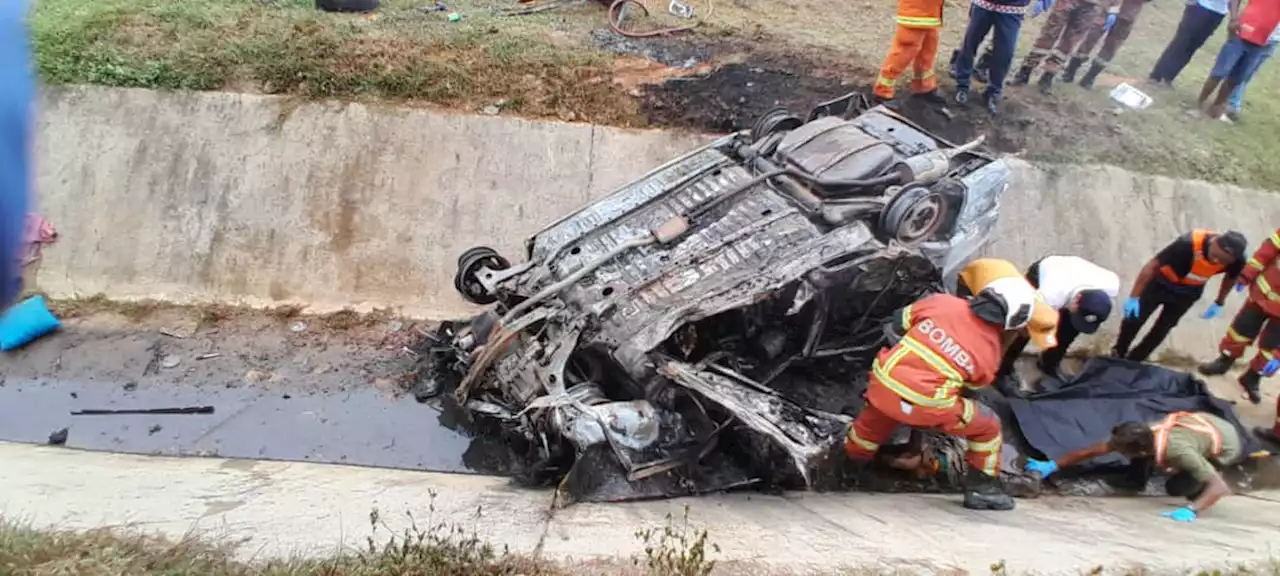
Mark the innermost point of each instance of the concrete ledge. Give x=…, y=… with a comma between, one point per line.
x=277, y=509
x=213, y=197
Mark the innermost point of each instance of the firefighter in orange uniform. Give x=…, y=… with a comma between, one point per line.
x=947, y=343
x=915, y=46
x=1258, y=319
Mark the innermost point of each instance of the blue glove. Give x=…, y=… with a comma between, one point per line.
x=1041, y=7
x=1240, y=286
x=1111, y=21
x=1214, y=310
x=1272, y=367
x=1131, y=307
x=1045, y=468
x=1183, y=514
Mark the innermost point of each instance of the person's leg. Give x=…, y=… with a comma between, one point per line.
x=1171, y=312
x=1005, y=43
x=1207, y=24
x=1110, y=47
x=1245, y=327
x=869, y=430
x=1148, y=301
x=925, y=81
x=981, y=428
x=1051, y=359
x=1223, y=66
x=1078, y=25
x=1054, y=24
x=980, y=22
x=1093, y=35
x=902, y=51
x=1249, y=55
x=1236, y=102
x=1011, y=355
x=1268, y=349
x=1163, y=69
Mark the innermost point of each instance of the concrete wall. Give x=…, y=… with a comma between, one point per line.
x=209, y=197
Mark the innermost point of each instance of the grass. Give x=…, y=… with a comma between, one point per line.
x=548, y=65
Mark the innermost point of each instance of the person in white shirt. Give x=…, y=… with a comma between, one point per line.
x=1081, y=292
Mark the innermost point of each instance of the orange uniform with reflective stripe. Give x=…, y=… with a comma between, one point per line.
x=1190, y=421
x=914, y=46
x=1201, y=268
x=1262, y=273
x=917, y=382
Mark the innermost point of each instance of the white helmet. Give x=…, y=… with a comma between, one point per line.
x=1015, y=296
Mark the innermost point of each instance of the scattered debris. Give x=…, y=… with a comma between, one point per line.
x=1131, y=97
x=255, y=376
x=618, y=13
x=490, y=110
x=208, y=356
x=130, y=386
x=183, y=330
x=455, y=17
x=395, y=326
x=74, y=395
x=188, y=410
x=154, y=428
x=680, y=9
x=170, y=362
x=59, y=437
x=437, y=7
x=36, y=232
x=298, y=326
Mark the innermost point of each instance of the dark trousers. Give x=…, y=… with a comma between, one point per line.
x=1196, y=27
x=1050, y=359
x=1004, y=28
x=1173, y=306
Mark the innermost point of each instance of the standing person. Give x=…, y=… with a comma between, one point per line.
x=947, y=343
x=915, y=46
x=1235, y=104
x=1081, y=292
x=15, y=125
x=1173, y=281
x=1258, y=319
x=1068, y=22
x=1042, y=328
x=1200, y=19
x=1117, y=26
x=1192, y=445
x=1005, y=18
x=1243, y=50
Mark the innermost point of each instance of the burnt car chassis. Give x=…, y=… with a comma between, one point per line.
x=709, y=324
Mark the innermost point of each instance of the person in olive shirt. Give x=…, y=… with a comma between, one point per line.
x=1193, y=446
x=1173, y=281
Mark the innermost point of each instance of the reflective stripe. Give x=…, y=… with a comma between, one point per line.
x=1197, y=424
x=882, y=373
x=1267, y=354
x=967, y=416
x=927, y=75
x=1275, y=239
x=1254, y=263
x=932, y=358
x=919, y=21
x=988, y=446
x=990, y=464
x=906, y=318
x=1201, y=268
x=1232, y=334
x=1265, y=287
x=867, y=445
x=886, y=81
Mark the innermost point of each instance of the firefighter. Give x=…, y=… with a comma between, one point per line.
x=1066, y=26
x=947, y=343
x=1116, y=26
x=1042, y=329
x=1192, y=446
x=1173, y=281
x=1258, y=319
x=915, y=46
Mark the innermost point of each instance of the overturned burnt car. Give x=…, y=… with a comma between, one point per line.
x=705, y=326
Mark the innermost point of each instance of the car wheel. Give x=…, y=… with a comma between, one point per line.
x=914, y=214
x=467, y=279
x=347, y=5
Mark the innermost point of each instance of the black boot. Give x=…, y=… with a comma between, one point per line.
x=1074, y=65
x=1219, y=365
x=982, y=70
x=982, y=492
x=1046, y=83
x=962, y=96
x=1023, y=76
x=992, y=103
x=1250, y=381
x=1090, y=76
x=931, y=97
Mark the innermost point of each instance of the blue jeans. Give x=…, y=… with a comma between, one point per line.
x=1195, y=28
x=15, y=126
x=1236, y=102
x=1005, y=42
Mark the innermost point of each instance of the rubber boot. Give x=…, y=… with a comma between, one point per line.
x=982, y=69
x=1250, y=381
x=992, y=103
x=1219, y=365
x=931, y=97
x=982, y=492
x=1267, y=434
x=1069, y=75
x=1090, y=76
x=1046, y=83
x=1023, y=76
x=962, y=97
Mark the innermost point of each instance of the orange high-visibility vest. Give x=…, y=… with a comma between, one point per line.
x=920, y=13
x=1201, y=268
x=1190, y=421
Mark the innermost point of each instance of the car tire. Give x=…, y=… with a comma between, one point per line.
x=347, y=5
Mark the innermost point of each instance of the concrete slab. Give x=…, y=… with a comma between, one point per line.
x=277, y=509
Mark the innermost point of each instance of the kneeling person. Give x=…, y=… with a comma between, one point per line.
x=947, y=343
x=1042, y=329
x=1193, y=446
x=1081, y=292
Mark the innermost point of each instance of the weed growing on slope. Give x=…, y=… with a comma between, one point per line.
x=676, y=549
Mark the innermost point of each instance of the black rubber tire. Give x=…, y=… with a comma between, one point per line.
x=468, y=264
x=900, y=216
x=347, y=5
